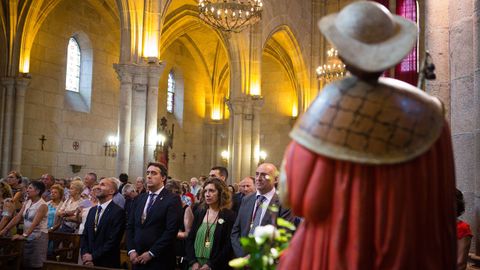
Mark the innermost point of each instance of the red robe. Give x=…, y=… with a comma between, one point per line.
x=358, y=216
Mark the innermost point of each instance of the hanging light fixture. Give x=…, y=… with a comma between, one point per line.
x=230, y=15
x=333, y=70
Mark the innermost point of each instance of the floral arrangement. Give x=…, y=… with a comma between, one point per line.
x=265, y=246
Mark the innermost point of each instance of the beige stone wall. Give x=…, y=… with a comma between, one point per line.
x=463, y=47
x=45, y=109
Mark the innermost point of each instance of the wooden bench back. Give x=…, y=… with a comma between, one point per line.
x=53, y=265
x=66, y=247
x=11, y=253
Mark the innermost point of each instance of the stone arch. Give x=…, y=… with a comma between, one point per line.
x=282, y=45
x=182, y=24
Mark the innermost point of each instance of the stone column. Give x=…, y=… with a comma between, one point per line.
x=214, y=142
x=139, y=111
x=9, y=84
x=125, y=75
x=464, y=103
x=154, y=72
x=256, y=106
x=476, y=87
x=21, y=85
x=236, y=118
x=436, y=42
x=247, y=145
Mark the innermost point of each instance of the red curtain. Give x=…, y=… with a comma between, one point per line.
x=407, y=69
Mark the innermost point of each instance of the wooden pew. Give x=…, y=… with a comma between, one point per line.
x=66, y=247
x=11, y=253
x=125, y=260
x=53, y=265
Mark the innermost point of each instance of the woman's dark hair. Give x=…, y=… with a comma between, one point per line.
x=39, y=186
x=460, y=203
x=17, y=175
x=185, y=187
x=173, y=186
x=224, y=198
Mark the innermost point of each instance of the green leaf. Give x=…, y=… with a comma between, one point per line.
x=238, y=262
x=273, y=208
x=285, y=223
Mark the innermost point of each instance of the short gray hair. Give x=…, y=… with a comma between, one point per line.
x=128, y=188
x=116, y=182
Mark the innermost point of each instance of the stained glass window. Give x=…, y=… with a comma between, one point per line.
x=171, y=92
x=72, y=82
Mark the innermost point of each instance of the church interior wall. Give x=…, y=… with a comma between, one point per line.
x=278, y=94
x=46, y=112
x=463, y=59
x=189, y=133
x=450, y=34
x=296, y=16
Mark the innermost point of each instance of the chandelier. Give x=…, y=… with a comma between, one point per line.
x=230, y=15
x=333, y=70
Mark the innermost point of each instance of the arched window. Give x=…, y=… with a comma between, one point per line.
x=72, y=81
x=171, y=92
x=78, y=73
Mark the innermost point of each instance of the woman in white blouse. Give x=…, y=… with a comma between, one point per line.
x=68, y=213
x=34, y=215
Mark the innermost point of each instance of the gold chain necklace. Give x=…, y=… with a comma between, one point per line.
x=209, y=227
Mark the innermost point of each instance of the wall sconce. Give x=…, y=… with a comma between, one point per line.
x=225, y=155
x=216, y=114
x=255, y=90
x=111, y=146
x=294, y=112
x=262, y=156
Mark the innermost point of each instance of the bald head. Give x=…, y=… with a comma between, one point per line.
x=266, y=176
x=247, y=185
x=107, y=188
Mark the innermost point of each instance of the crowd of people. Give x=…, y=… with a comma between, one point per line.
x=163, y=223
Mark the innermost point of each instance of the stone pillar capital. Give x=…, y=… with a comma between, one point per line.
x=235, y=105
x=125, y=72
x=154, y=73
x=7, y=81
x=21, y=85
x=257, y=102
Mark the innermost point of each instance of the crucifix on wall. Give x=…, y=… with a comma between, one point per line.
x=43, y=139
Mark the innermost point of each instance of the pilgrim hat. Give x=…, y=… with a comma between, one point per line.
x=368, y=37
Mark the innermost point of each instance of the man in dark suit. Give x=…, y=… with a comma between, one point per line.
x=219, y=172
x=245, y=188
x=255, y=208
x=104, y=229
x=153, y=223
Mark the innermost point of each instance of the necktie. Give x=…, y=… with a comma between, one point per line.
x=150, y=202
x=257, y=214
x=97, y=216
